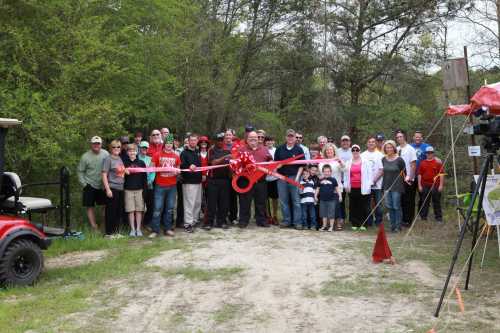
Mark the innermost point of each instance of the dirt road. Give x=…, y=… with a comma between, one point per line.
x=269, y=280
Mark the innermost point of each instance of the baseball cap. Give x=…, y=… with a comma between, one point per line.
x=290, y=132
x=203, y=138
x=356, y=146
x=429, y=149
x=219, y=136
x=144, y=144
x=249, y=128
x=345, y=137
x=379, y=137
x=96, y=139
x=124, y=139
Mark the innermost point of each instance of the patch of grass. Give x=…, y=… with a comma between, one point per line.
x=364, y=286
x=90, y=242
x=228, y=312
x=200, y=274
x=62, y=291
x=345, y=288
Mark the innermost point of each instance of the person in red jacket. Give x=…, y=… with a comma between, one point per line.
x=430, y=184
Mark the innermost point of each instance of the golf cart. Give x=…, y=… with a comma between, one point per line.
x=21, y=240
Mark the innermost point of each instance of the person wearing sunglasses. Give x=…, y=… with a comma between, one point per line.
x=300, y=139
x=113, y=180
x=357, y=184
x=155, y=143
x=261, y=135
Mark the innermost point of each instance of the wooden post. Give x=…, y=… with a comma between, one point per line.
x=471, y=118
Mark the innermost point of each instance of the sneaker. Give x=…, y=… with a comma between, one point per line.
x=132, y=233
x=139, y=233
x=153, y=235
x=207, y=227
x=354, y=228
x=188, y=229
x=362, y=228
x=263, y=225
x=170, y=233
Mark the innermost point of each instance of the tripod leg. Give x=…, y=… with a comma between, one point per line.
x=476, y=224
x=498, y=238
x=482, y=177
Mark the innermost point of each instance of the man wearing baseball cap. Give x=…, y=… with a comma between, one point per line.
x=430, y=184
x=288, y=193
x=89, y=175
x=379, y=141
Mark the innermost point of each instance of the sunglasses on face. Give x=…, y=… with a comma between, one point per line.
x=355, y=150
x=260, y=137
x=116, y=147
x=299, y=138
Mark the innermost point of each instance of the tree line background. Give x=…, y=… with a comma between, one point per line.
x=71, y=69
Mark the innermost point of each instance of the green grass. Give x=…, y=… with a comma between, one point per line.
x=200, y=274
x=228, y=312
x=62, y=291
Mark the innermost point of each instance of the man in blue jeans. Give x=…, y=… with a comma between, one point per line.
x=289, y=194
x=165, y=188
x=374, y=157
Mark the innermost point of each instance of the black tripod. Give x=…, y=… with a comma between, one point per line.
x=478, y=190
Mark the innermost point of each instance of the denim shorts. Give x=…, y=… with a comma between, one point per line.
x=327, y=209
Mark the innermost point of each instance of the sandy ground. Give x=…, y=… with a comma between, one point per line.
x=290, y=281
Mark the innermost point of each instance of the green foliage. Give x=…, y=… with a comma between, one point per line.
x=73, y=69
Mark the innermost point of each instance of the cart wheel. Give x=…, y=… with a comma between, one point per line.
x=21, y=264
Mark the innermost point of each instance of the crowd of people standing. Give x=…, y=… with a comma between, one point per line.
x=386, y=174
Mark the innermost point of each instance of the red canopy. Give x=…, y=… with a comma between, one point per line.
x=488, y=95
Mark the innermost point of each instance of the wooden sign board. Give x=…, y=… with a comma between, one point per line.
x=455, y=74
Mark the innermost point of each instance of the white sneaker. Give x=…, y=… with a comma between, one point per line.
x=153, y=235
x=139, y=233
x=116, y=236
x=132, y=233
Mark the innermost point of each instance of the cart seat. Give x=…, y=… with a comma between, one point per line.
x=11, y=185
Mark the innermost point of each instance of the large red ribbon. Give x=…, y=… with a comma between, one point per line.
x=243, y=164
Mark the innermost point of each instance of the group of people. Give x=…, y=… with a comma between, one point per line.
x=314, y=197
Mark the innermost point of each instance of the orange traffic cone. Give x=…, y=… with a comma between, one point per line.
x=382, y=251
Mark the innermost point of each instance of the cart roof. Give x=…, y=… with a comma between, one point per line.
x=9, y=122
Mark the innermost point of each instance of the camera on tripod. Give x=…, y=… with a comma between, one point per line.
x=488, y=127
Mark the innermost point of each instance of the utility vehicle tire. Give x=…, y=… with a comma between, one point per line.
x=21, y=263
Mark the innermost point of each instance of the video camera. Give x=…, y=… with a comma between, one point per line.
x=488, y=127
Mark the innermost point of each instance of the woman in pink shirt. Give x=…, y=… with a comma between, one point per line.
x=357, y=183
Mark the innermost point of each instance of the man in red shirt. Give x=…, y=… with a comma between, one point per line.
x=165, y=188
x=430, y=184
x=155, y=143
x=258, y=193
